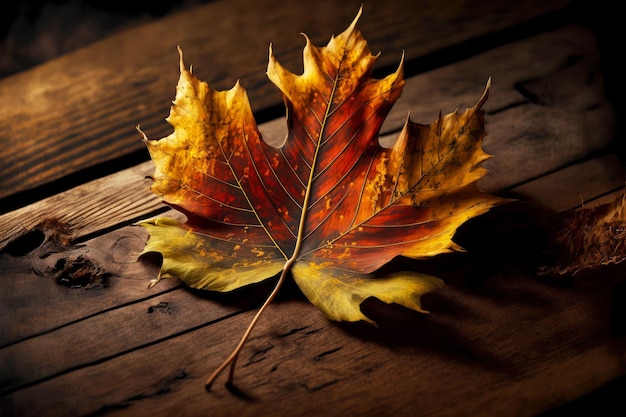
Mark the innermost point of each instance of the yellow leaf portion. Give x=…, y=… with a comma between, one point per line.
x=436, y=168
x=202, y=167
x=203, y=264
x=339, y=293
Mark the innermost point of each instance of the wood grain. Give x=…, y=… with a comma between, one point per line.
x=602, y=175
x=81, y=109
x=315, y=367
x=499, y=340
x=526, y=138
x=95, y=311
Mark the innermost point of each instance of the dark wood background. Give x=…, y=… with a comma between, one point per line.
x=82, y=335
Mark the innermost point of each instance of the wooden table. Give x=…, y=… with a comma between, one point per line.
x=82, y=335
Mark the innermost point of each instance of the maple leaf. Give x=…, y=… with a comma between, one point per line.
x=586, y=238
x=330, y=205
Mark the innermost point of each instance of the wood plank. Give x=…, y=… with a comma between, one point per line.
x=117, y=331
x=582, y=353
x=463, y=358
x=602, y=175
x=81, y=109
x=540, y=69
x=495, y=331
x=602, y=199
x=88, y=208
x=38, y=304
x=528, y=139
x=42, y=313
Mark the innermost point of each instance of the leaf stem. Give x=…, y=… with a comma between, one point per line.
x=232, y=359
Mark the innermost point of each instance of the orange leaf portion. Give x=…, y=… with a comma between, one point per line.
x=330, y=201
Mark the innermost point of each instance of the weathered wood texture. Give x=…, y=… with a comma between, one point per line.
x=538, y=136
x=491, y=333
x=82, y=108
x=499, y=340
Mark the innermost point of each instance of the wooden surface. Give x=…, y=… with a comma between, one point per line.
x=499, y=340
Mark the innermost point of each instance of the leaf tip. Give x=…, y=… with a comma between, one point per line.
x=371, y=322
x=180, y=58
x=356, y=19
x=271, y=62
x=143, y=135
x=352, y=27
x=483, y=99
x=400, y=71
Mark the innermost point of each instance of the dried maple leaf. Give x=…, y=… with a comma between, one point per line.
x=330, y=206
x=587, y=238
